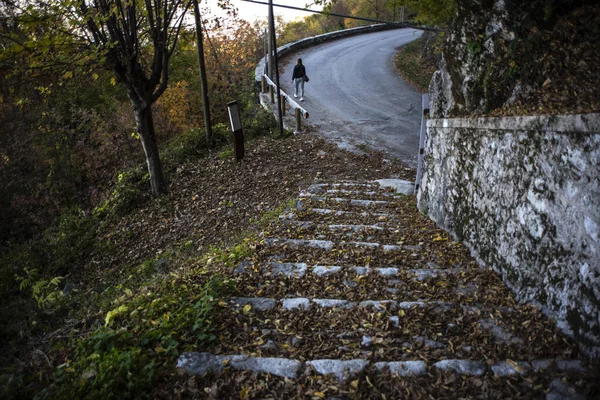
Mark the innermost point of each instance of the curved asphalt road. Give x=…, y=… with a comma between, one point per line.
x=356, y=97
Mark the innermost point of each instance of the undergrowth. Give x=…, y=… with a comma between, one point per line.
x=119, y=331
x=416, y=63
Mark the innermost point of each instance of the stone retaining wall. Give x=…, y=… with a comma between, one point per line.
x=523, y=194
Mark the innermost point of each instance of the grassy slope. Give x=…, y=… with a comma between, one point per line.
x=413, y=67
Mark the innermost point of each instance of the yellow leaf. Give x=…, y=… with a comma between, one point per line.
x=222, y=303
x=95, y=76
x=113, y=81
x=159, y=350
x=401, y=313
x=247, y=308
x=244, y=393
x=320, y=394
x=354, y=384
x=439, y=238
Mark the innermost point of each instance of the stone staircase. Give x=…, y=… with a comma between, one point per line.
x=355, y=288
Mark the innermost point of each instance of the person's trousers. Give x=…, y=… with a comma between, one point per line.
x=299, y=86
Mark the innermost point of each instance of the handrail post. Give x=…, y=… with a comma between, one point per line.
x=272, y=94
x=298, y=120
x=282, y=101
x=263, y=85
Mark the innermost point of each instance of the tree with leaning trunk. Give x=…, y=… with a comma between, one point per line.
x=136, y=40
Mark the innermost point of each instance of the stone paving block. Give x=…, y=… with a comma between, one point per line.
x=341, y=369
x=410, y=304
x=292, y=270
x=296, y=243
x=424, y=274
x=331, y=303
x=365, y=203
x=403, y=368
x=391, y=247
x=296, y=304
x=370, y=245
x=399, y=185
x=243, y=268
x=299, y=224
x=379, y=305
x=387, y=271
x=201, y=363
x=361, y=270
x=321, y=270
x=559, y=390
x=355, y=228
x=257, y=303
x=275, y=366
x=570, y=365
x=462, y=367
x=504, y=368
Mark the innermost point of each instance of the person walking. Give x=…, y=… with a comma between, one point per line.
x=298, y=79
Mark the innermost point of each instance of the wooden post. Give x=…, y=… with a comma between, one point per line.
x=298, y=120
x=263, y=85
x=282, y=101
x=272, y=93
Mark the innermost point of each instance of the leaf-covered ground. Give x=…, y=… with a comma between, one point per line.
x=213, y=201
x=468, y=313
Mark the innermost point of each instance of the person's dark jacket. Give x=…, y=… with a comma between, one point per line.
x=299, y=72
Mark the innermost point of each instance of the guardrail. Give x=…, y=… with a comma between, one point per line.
x=293, y=47
x=272, y=89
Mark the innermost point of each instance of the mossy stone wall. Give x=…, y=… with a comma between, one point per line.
x=523, y=193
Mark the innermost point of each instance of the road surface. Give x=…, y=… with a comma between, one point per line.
x=355, y=96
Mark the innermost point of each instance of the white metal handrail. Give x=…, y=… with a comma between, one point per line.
x=299, y=111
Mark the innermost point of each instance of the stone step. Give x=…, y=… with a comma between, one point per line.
x=330, y=245
x=305, y=304
x=327, y=215
x=333, y=227
x=397, y=185
x=299, y=270
x=345, y=184
x=349, y=201
x=197, y=363
x=359, y=192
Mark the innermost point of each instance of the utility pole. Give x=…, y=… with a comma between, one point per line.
x=270, y=41
x=275, y=65
x=203, y=80
x=266, y=40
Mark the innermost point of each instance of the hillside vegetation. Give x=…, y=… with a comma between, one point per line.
x=102, y=285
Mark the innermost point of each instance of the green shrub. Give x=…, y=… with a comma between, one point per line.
x=128, y=193
x=69, y=241
x=258, y=122
x=111, y=374
x=119, y=360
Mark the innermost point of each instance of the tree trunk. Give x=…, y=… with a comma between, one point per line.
x=145, y=127
x=203, y=80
